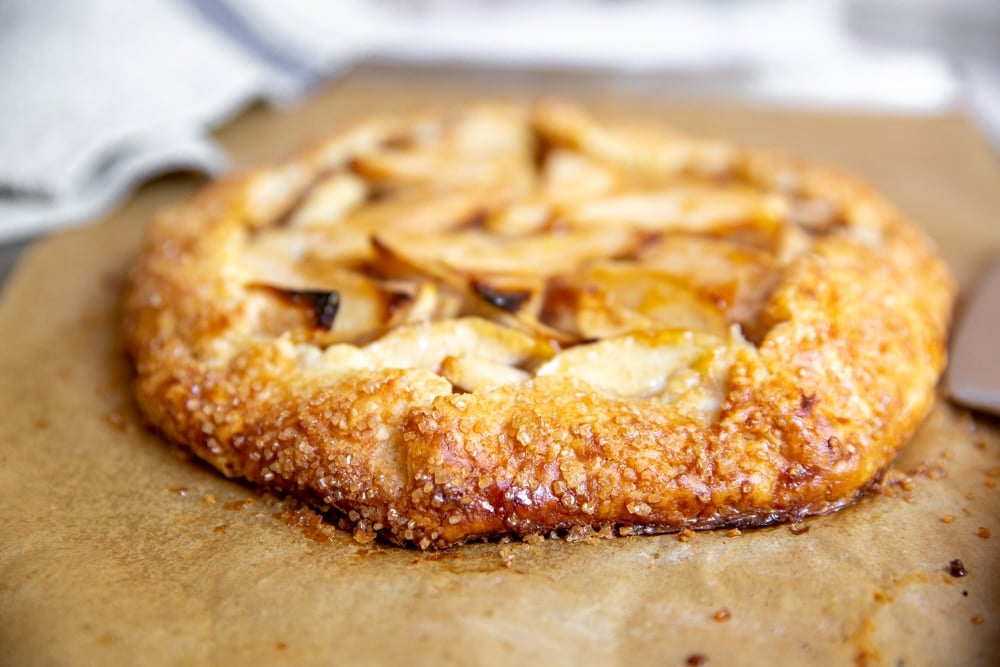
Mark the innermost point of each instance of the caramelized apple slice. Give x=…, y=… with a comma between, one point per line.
x=687, y=208
x=323, y=305
x=330, y=200
x=474, y=252
x=439, y=166
x=568, y=177
x=644, y=149
x=271, y=194
x=596, y=315
x=738, y=278
x=427, y=302
x=683, y=368
x=614, y=298
x=283, y=255
x=393, y=259
x=421, y=211
x=514, y=301
x=509, y=294
x=477, y=374
x=362, y=137
x=493, y=129
x=700, y=389
x=427, y=345
x=521, y=218
x=484, y=146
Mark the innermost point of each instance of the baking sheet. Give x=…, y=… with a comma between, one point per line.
x=115, y=548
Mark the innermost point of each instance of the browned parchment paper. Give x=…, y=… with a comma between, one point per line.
x=115, y=549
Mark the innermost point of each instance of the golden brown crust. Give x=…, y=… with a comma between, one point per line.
x=520, y=428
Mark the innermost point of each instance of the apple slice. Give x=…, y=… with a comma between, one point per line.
x=330, y=200
x=684, y=208
x=474, y=252
x=426, y=345
x=613, y=298
x=637, y=148
x=738, y=278
x=682, y=368
x=471, y=373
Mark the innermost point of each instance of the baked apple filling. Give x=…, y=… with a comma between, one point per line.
x=636, y=270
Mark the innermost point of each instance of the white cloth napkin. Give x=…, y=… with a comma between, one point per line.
x=98, y=95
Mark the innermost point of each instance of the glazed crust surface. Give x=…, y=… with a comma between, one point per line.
x=508, y=320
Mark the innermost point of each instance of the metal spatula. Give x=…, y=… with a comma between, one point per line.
x=973, y=377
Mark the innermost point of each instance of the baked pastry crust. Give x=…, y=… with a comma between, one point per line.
x=511, y=320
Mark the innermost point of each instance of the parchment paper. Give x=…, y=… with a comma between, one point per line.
x=117, y=549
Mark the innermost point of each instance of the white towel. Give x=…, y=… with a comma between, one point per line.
x=98, y=95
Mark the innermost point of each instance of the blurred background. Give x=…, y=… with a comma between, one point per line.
x=97, y=96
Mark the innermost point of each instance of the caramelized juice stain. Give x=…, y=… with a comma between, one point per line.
x=309, y=522
x=116, y=421
x=238, y=505
x=866, y=653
